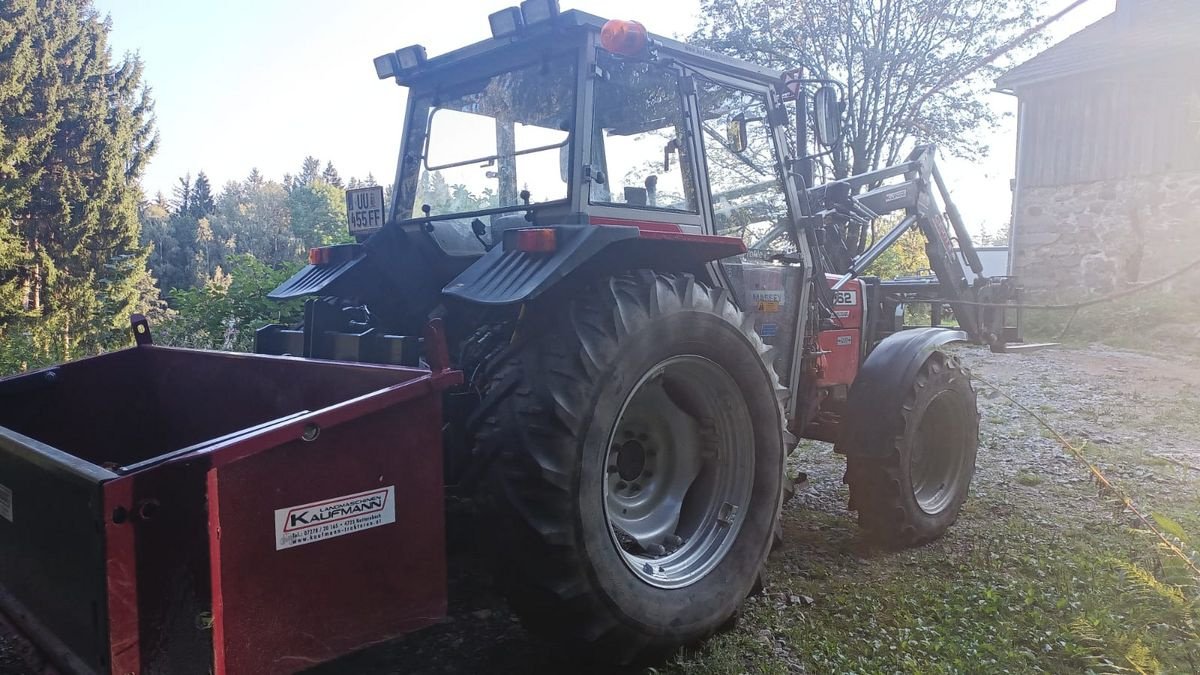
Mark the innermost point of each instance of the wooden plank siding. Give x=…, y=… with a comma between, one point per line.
x=1111, y=125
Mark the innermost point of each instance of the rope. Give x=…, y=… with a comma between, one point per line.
x=1101, y=479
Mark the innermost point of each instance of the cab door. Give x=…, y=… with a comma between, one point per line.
x=747, y=196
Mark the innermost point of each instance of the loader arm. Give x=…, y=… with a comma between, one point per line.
x=847, y=215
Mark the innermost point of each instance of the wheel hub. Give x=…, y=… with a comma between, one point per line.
x=937, y=462
x=679, y=470
x=631, y=460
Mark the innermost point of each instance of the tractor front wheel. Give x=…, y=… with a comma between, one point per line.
x=638, y=468
x=911, y=492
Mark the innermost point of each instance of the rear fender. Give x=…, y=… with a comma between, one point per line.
x=504, y=276
x=873, y=406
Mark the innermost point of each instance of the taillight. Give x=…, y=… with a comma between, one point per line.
x=536, y=240
x=333, y=255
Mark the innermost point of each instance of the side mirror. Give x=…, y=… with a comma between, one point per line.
x=827, y=116
x=735, y=133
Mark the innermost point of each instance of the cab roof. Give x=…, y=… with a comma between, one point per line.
x=536, y=37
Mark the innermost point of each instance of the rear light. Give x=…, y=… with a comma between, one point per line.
x=333, y=255
x=534, y=240
x=624, y=38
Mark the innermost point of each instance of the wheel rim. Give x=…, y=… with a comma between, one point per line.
x=937, y=463
x=679, y=471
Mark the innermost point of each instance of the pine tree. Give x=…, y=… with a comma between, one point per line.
x=202, y=202
x=309, y=171
x=78, y=223
x=183, y=195
x=28, y=117
x=330, y=175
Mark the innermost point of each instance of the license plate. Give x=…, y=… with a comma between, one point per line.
x=364, y=209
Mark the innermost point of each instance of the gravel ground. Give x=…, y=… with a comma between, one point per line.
x=1136, y=411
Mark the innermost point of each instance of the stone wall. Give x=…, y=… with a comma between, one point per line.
x=1096, y=238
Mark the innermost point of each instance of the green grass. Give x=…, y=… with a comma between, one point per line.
x=1019, y=600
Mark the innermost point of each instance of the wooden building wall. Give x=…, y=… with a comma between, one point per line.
x=1111, y=125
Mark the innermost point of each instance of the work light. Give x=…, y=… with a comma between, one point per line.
x=538, y=10
x=506, y=22
x=391, y=65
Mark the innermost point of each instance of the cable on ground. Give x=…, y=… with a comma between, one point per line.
x=1100, y=478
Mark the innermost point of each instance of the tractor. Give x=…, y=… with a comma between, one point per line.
x=603, y=303
x=651, y=301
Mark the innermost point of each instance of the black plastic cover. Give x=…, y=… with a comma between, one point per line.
x=504, y=277
x=315, y=280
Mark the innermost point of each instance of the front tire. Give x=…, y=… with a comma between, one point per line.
x=639, y=467
x=911, y=493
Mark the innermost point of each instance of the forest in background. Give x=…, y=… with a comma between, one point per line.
x=81, y=245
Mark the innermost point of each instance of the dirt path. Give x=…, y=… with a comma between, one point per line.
x=1140, y=416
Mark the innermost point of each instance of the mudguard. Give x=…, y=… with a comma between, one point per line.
x=505, y=276
x=875, y=398
x=323, y=280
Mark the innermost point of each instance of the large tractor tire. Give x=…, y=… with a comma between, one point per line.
x=911, y=492
x=638, y=449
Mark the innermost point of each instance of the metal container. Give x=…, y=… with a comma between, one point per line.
x=178, y=511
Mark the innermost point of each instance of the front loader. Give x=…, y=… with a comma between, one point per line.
x=618, y=239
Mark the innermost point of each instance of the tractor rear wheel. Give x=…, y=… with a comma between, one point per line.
x=911, y=492
x=638, y=453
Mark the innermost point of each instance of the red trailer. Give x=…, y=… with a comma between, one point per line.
x=177, y=511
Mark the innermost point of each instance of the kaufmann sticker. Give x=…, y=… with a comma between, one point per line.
x=6, y=503
x=308, y=523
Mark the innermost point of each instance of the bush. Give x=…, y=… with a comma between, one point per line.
x=226, y=311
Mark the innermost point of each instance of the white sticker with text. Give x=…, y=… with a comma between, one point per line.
x=308, y=523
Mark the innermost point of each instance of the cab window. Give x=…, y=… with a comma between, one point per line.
x=739, y=151
x=640, y=155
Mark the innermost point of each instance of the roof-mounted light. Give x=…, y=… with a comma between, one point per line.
x=506, y=22
x=535, y=11
x=399, y=61
x=624, y=38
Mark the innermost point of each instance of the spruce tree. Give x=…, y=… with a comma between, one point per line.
x=202, y=202
x=28, y=117
x=72, y=195
x=330, y=175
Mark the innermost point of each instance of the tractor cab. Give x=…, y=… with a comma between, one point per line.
x=526, y=155
x=568, y=119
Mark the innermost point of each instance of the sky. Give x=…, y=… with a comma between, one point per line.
x=242, y=84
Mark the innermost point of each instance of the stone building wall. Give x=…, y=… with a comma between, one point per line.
x=1096, y=238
